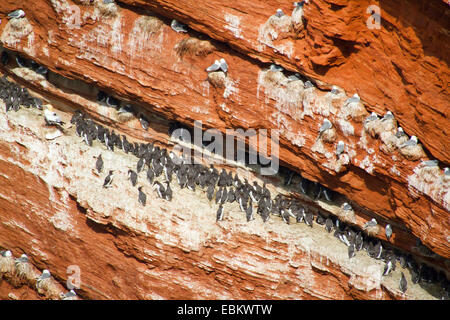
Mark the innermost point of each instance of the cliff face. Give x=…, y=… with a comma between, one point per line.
x=54, y=209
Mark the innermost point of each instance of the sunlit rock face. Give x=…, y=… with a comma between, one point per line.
x=133, y=74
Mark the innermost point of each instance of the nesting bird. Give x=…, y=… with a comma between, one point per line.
x=69, y=295
x=279, y=13
x=51, y=118
x=99, y=164
x=388, y=231
x=132, y=176
x=412, y=142
x=218, y=65
x=340, y=147
x=371, y=227
x=403, y=284
x=108, y=180
x=23, y=268
x=16, y=14
x=178, y=26
x=325, y=126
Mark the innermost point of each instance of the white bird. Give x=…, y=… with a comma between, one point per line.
x=45, y=275
x=430, y=163
x=223, y=65
x=410, y=143
x=347, y=207
x=371, y=223
x=340, y=147
x=279, y=13
x=108, y=1
x=447, y=171
x=388, y=231
x=177, y=26
x=294, y=77
x=308, y=84
x=388, y=116
x=325, y=126
x=373, y=116
x=16, y=14
x=334, y=90
x=275, y=68
x=51, y=118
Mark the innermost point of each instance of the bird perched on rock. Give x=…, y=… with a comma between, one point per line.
x=168, y=192
x=410, y=143
x=430, y=163
x=142, y=198
x=325, y=126
x=351, y=251
x=388, y=116
x=340, y=147
x=178, y=26
x=388, y=267
x=69, y=295
x=373, y=116
x=388, y=231
x=218, y=65
x=308, y=84
x=276, y=68
x=43, y=278
x=160, y=189
x=51, y=118
x=133, y=177
x=403, y=284
x=371, y=223
x=144, y=122
x=16, y=14
x=108, y=180
x=99, y=164
x=354, y=99
x=219, y=215
x=279, y=13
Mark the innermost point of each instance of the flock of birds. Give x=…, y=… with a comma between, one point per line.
x=223, y=187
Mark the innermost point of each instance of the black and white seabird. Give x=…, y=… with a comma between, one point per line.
x=219, y=215
x=412, y=142
x=403, y=284
x=133, y=177
x=308, y=84
x=309, y=217
x=275, y=68
x=340, y=147
x=69, y=295
x=400, y=133
x=160, y=189
x=178, y=26
x=150, y=175
x=354, y=99
x=51, y=118
x=142, y=198
x=99, y=163
x=140, y=165
x=108, y=179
